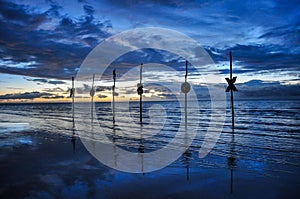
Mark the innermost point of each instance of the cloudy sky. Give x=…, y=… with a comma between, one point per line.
x=43, y=43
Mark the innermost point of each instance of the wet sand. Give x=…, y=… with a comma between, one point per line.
x=47, y=167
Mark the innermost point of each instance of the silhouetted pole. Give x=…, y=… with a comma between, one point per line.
x=72, y=94
x=231, y=160
x=141, y=149
x=231, y=87
x=185, y=88
x=115, y=146
x=185, y=94
x=231, y=94
x=113, y=93
x=140, y=91
x=73, y=141
x=92, y=93
x=187, y=155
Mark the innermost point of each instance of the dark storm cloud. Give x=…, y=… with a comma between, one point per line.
x=130, y=91
x=53, y=97
x=87, y=88
x=103, y=88
x=39, y=80
x=253, y=89
x=20, y=13
x=116, y=94
x=84, y=89
x=167, y=96
x=147, y=55
x=56, y=82
x=288, y=34
x=262, y=58
x=30, y=95
x=45, y=47
x=101, y=96
x=256, y=89
x=43, y=80
x=270, y=90
x=55, y=90
x=89, y=10
x=263, y=35
x=136, y=3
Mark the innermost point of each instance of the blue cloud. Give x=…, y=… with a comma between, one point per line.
x=43, y=80
x=56, y=82
x=257, y=89
x=54, y=49
x=52, y=42
x=30, y=95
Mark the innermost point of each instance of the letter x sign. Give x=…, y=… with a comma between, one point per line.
x=231, y=85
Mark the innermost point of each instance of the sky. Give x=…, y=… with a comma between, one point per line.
x=44, y=43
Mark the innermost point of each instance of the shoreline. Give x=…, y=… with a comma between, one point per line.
x=48, y=168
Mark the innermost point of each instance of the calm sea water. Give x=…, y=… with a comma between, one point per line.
x=260, y=159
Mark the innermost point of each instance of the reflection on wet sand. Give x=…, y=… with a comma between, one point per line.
x=73, y=140
x=231, y=160
x=43, y=168
x=187, y=156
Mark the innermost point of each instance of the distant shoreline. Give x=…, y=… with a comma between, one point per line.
x=237, y=99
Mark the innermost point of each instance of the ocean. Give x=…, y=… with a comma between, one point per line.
x=43, y=156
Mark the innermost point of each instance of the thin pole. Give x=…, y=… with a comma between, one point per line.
x=73, y=141
x=185, y=112
x=187, y=155
x=141, y=109
x=185, y=94
x=231, y=160
x=185, y=88
x=141, y=94
x=115, y=146
x=141, y=150
x=92, y=93
x=231, y=93
x=231, y=87
x=73, y=94
x=113, y=93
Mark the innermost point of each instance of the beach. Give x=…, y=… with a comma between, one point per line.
x=42, y=157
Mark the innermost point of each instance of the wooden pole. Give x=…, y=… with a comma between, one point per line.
x=73, y=140
x=113, y=93
x=231, y=94
x=231, y=160
x=185, y=94
x=141, y=150
x=185, y=88
x=73, y=94
x=141, y=94
x=231, y=87
x=92, y=93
